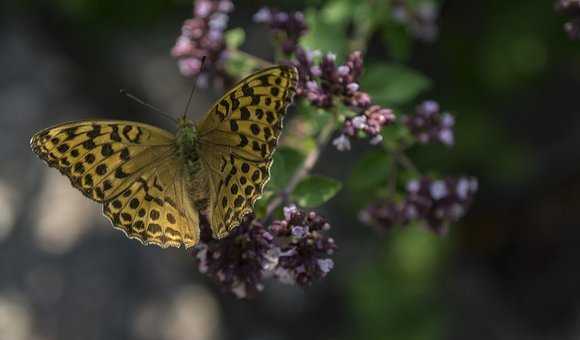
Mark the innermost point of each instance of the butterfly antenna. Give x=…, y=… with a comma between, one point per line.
x=194, y=87
x=142, y=102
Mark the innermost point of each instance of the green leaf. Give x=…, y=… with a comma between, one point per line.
x=286, y=161
x=234, y=38
x=395, y=135
x=391, y=84
x=398, y=41
x=337, y=12
x=313, y=191
x=261, y=205
x=315, y=117
x=371, y=171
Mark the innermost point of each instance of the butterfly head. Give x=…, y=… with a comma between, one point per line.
x=184, y=122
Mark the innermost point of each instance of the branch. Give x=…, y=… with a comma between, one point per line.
x=405, y=161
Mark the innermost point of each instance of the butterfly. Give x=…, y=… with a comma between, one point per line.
x=153, y=184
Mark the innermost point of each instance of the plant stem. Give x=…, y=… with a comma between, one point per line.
x=309, y=162
x=392, y=179
x=406, y=162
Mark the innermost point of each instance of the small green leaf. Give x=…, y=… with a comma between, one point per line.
x=238, y=65
x=234, y=38
x=370, y=172
x=286, y=161
x=313, y=191
x=391, y=84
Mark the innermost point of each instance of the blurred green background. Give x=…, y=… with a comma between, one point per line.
x=507, y=271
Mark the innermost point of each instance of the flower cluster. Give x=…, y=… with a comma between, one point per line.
x=435, y=202
x=428, y=125
x=324, y=83
x=303, y=247
x=236, y=262
x=420, y=19
x=202, y=36
x=570, y=8
x=370, y=122
x=294, y=250
x=288, y=27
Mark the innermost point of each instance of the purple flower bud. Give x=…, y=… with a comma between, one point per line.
x=298, y=231
x=316, y=71
x=225, y=6
x=376, y=139
x=359, y=122
x=264, y=15
x=189, y=67
x=218, y=21
x=353, y=87
x=281, y=17
x=447, y=120
x=289, y=211
x=428, y=108
x=462, y=188
x=215, y=35
x=330, y=56
x=312, y=86
x=413, y=186
x=343, y=70
x=182, y=47
x=438, y=190
x=342, y=143
x=325, y=265
x=203, y=8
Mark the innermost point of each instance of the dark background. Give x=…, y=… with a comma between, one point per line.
x=509, y=270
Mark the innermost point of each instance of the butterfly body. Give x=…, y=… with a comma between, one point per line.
x=153, y=184
x=187, y=145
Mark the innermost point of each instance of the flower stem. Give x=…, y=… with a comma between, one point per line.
x=406, y=162
x=392, y=179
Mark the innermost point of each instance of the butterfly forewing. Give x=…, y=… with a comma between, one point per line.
x=123, y=165
x=237, y=139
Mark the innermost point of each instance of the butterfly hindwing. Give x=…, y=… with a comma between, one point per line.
x=119, y=163
x=237, y=139
x=155, y=208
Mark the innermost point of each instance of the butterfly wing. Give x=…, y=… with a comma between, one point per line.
x=132, y=169
x=237, y=138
